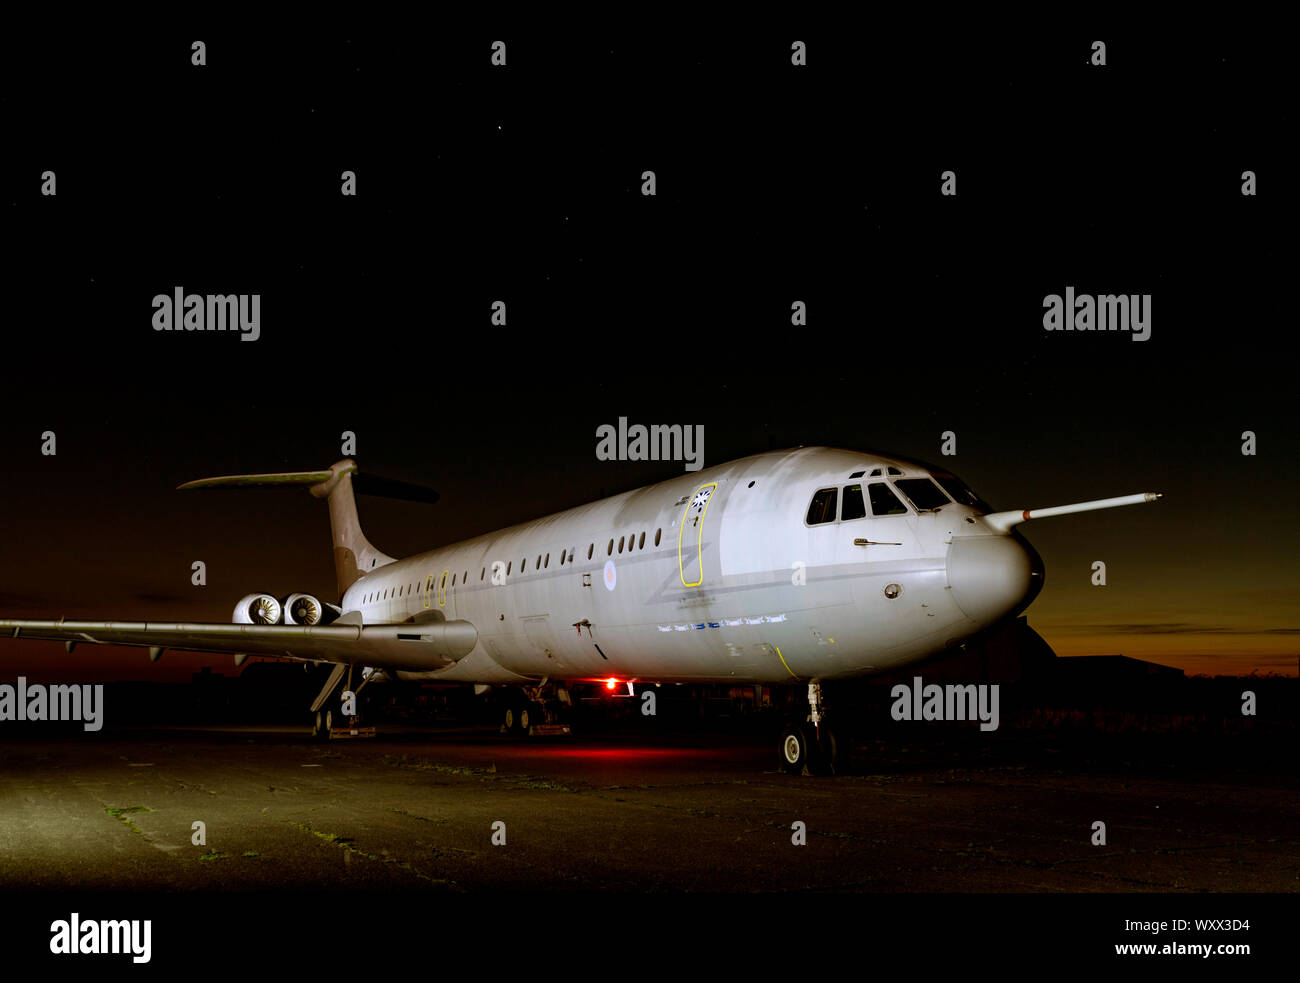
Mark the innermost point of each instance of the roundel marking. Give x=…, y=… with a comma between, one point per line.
x=611, y=575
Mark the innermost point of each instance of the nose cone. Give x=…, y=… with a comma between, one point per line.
x=993, y=576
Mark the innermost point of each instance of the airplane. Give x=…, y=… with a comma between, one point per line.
x=792, y=567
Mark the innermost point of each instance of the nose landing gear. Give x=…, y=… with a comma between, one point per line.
x=811, y=746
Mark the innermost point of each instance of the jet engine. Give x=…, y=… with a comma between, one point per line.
x=257, y=609
x=306, y=609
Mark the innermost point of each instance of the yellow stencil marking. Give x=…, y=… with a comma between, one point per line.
x=782, y=658
x=699, y=539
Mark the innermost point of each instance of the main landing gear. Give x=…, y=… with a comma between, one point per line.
x=811, y=746
x=325, y=720
x=535, y=711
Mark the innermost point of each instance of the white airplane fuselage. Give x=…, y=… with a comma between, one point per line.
x=717, y=576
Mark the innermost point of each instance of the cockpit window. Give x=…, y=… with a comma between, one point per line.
x=960, y=491
x=883, y=500
x=853, y=507
x=923, y=492
x=822, y=508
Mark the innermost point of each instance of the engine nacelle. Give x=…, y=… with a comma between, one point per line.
x=258, y=609
x=306, y=609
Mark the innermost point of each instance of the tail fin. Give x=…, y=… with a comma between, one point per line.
x=353, y=554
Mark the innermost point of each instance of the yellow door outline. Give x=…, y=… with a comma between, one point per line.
x=699, y=539
x=442, y=589
x=428, y=589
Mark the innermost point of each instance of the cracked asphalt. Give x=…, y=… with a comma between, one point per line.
x=469, y=811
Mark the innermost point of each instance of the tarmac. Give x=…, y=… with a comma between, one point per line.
x=457, y=810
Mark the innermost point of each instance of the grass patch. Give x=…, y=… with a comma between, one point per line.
x=128, y=810
x=424, y=819
x=345, y=843
x=124, y=815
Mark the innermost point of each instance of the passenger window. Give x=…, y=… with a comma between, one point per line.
x=822, y=508
x=641, y=543
x=657, y=532
x=620, y=544
x=923, y=492
x=883, y=500
x=854, y=507
x=591, y=548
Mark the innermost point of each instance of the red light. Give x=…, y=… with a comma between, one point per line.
x=611, y=682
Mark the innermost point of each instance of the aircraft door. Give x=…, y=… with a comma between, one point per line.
x=691, y=563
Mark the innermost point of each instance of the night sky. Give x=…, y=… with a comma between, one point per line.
x=775, y=183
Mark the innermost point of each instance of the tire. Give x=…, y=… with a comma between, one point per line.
x=532, y=713
x=510, y=721
x=829, y=751
x=794, y=749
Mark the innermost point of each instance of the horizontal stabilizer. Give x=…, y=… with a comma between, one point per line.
x=406, y=491
x=363, y=484
x=354, y=556
x=261, y=480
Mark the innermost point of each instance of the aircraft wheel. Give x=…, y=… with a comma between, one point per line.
x=830, y=754
x=510, y=721
x=532, y=713
x=794, y=749
x=322, y=725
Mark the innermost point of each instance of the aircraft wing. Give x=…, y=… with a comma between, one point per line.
x=426, y=646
